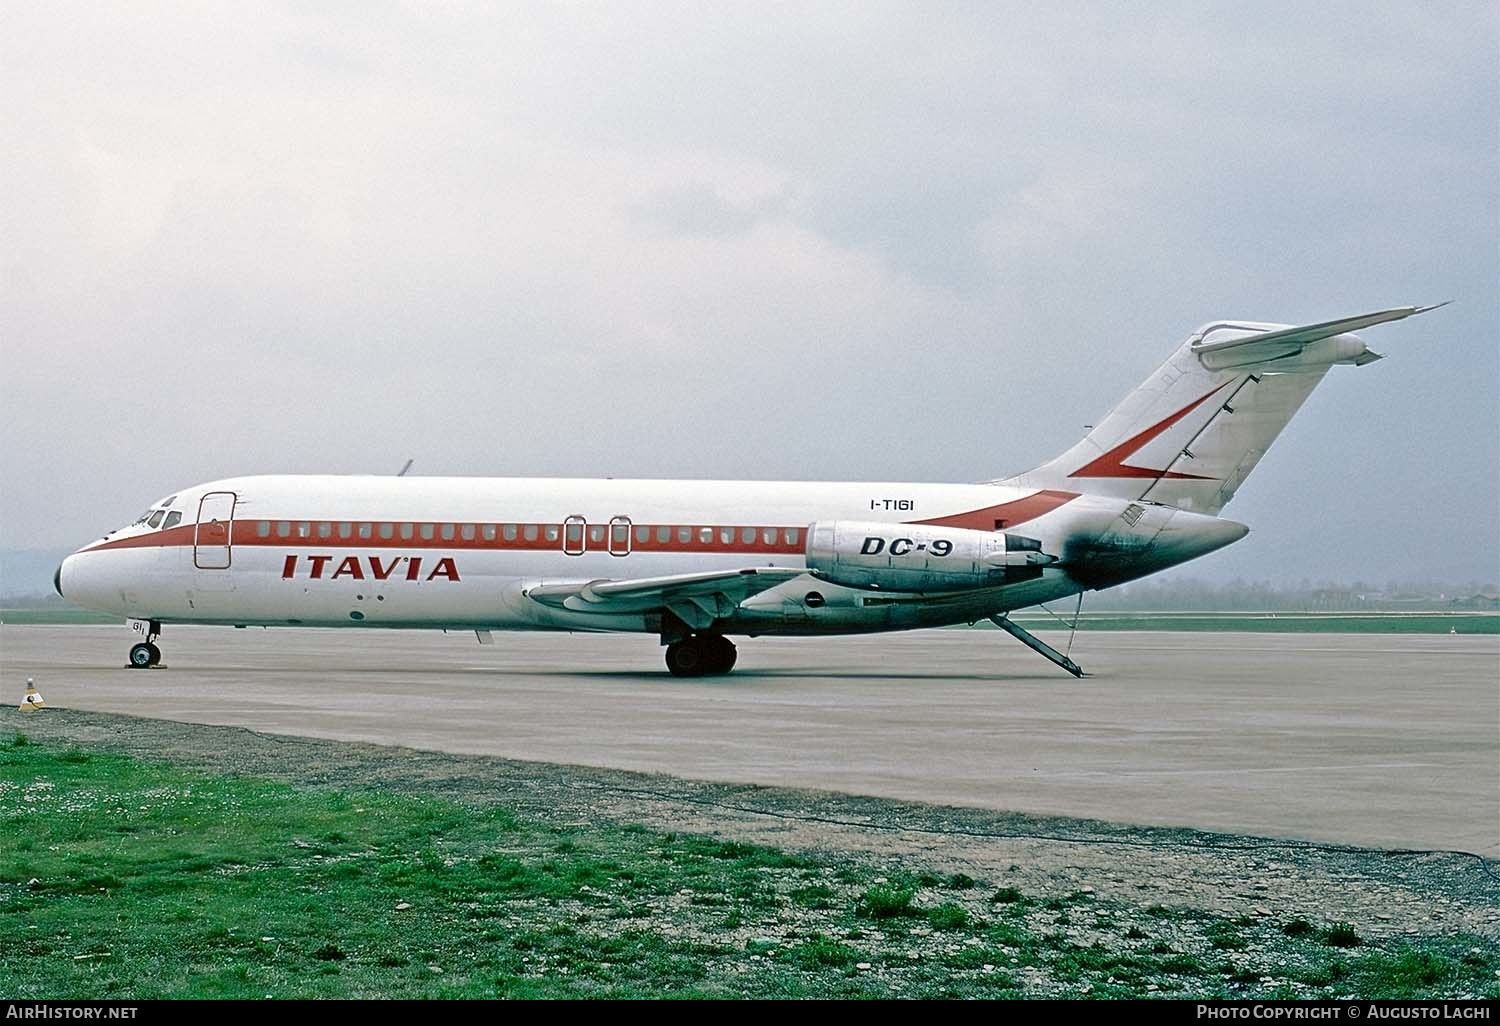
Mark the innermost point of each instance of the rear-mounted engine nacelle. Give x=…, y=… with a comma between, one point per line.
x=914, y=557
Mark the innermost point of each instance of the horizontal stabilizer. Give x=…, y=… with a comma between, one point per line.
x=1317, y=332
x=1232, y=344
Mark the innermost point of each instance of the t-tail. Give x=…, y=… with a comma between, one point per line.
x=1190, y=434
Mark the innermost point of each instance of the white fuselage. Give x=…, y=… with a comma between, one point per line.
x=415, y=552
x=694, y=561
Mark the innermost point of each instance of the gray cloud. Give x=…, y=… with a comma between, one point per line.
x=696, y=210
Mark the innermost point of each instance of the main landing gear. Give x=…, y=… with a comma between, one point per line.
x=702, y=655
x=145, y=655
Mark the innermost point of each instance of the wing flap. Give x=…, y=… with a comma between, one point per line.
x=708, y=590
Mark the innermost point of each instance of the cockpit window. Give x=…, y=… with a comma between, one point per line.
x=142, y=518
x=173, y=518
x=155, y=520
x=168, y=501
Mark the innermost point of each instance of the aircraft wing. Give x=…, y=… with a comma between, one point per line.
x=697, y=598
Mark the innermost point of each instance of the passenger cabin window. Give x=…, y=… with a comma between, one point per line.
x=407, y=530
x=747, y=535
x=304, y=529
x=663, y=535
x=769, y=536
x=283, y=528
x=531, y=532
x=173, y=519
x=706, y=535
x=791, y=535
x=552, y=532
x=596, y=534
x=726, y=535
x=447, y=532
x=263, y=529
x=509, y=531
x=643, y=534
x=366, y=530
x=684, y=535
x=426, y=531
x=466, y=532
x=346, y=530
x=325, y=529
x=489, y=532
x=387, y=531
x=155, y=519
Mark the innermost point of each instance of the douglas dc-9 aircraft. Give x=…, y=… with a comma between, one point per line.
x=697, y=561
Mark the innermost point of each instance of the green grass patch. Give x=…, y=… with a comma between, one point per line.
x=819, y=896
x=125, y=879
x=887, y=901
x=819, y=951
x=948, y=916
x=1223, y=936
x=1007, y=896
x=1341, y=935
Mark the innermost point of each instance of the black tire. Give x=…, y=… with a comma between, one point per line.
x=143, y=656
x=155, y=653
x=688, y=658
x=722, y=655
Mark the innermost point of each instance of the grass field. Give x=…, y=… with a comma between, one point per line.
x=129, y=879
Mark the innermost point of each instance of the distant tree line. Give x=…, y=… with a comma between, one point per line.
x=1306, y=596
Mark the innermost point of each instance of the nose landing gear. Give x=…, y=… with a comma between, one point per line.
x=145, y=654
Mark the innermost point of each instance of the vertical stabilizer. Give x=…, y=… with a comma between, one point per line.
x=1190, y=434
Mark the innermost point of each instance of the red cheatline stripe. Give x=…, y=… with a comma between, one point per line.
x=1007, y=514
x=1112, y=463
x=171, y=538
x=247, y=533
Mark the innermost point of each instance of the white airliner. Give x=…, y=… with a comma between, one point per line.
x=697, y=561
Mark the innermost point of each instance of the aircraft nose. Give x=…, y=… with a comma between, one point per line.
x=57, y=581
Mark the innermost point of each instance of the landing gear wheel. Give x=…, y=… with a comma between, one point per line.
x=687, y=658
x=702, y=655
x=145, y=654
x=722, y=655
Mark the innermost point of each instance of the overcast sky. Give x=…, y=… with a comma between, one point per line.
x=864, y=241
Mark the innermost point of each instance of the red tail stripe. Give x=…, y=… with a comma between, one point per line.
x=1112, y=463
